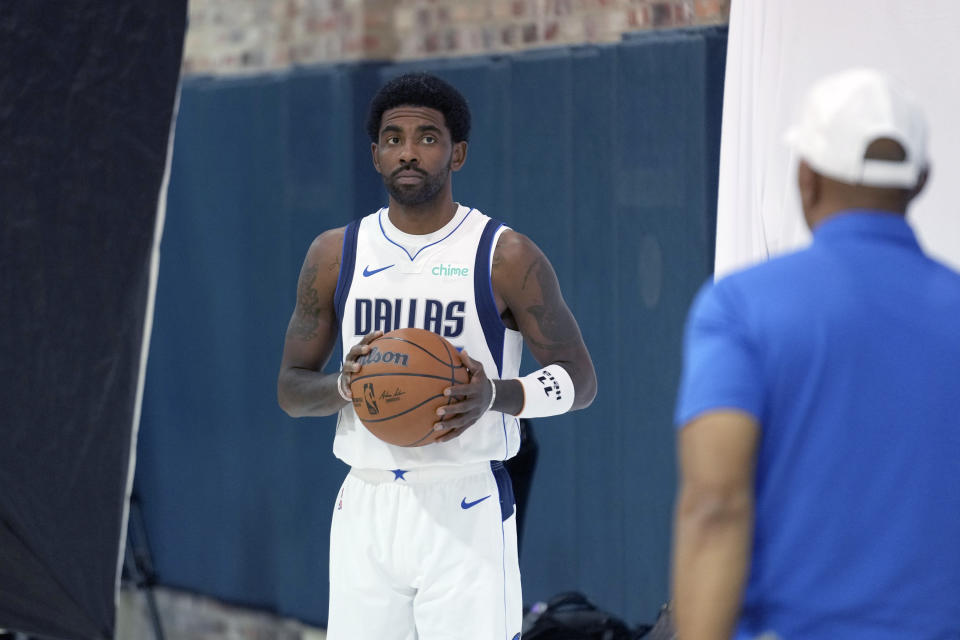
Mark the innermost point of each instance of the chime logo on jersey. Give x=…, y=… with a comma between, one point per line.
x=382, y=314
x=450, y=271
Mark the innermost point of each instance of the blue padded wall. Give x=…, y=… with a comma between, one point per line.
x=605, y=156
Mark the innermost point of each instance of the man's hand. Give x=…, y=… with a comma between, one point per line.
x=470, y=401
x=350, y=362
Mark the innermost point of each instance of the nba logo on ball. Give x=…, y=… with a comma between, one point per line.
x=370, y=398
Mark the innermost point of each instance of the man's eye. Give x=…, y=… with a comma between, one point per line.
x=429, y=139
x=393, y=140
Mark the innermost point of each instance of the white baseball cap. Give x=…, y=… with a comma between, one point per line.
x=844, y=113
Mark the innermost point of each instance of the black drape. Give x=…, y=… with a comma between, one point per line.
x=87, y=95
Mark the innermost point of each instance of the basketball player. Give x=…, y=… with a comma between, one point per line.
x=820, y=405
x=423, y=540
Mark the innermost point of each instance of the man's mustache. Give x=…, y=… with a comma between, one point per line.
x=407, y=168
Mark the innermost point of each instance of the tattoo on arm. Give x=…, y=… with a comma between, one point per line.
x=556, y=326
x=306, y=317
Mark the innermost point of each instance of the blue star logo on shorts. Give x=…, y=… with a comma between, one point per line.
x=398, y=474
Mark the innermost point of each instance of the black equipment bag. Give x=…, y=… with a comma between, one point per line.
x=571, y=616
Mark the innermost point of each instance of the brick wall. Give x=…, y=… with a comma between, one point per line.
x=238, y=36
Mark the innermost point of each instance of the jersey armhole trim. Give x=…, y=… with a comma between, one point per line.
x=348, y=261
x=490, y=320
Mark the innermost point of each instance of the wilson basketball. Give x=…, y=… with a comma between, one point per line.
x=400, y=385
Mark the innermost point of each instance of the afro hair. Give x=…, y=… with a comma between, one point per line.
x=421, y=90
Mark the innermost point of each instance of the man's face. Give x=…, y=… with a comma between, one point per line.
x=415, y=154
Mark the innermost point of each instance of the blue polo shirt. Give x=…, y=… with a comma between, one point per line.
x=848, y=355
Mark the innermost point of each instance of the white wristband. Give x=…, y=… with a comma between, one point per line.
x=341, y=389
x=546, y=392
x=493, y=392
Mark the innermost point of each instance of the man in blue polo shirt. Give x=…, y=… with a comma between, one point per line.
x=819, y=409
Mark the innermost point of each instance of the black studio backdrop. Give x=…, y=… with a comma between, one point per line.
x=87, y=95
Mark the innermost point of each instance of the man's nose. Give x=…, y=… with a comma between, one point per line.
x=408, y=153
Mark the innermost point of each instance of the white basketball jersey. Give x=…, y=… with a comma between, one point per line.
x=440, y=282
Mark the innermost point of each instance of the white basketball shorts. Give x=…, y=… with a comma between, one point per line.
x=425, y=554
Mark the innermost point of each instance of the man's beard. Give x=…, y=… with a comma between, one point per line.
x=413, y=195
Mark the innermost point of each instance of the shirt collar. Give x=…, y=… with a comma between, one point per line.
x=866, y=223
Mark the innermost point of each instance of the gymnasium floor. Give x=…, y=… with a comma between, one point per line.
x=190, y=617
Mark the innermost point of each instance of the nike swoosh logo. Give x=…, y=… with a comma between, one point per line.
x=466, y=505
x=367, y=271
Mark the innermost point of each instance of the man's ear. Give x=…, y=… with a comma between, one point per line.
x=459, y=155
x=921, y=183
x=376, y=160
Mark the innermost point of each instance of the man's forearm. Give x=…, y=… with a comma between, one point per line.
x=302, y=393
x=710, y=562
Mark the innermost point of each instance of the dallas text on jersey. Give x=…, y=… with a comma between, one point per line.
x=382, y=314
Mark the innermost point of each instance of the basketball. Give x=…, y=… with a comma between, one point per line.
x=400, y=385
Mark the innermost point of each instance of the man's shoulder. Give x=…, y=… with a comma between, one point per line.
x=947, y=274
x=328, y=241
x=750, y=290
x=773, y=271
x=515, y=250
x=334, y=237
x=787, y=274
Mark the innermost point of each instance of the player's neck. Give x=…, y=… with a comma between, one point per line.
x=424, y=218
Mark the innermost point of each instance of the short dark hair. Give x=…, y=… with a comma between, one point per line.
x=421, y=90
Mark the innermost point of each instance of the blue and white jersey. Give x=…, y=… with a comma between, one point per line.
x=440, y=282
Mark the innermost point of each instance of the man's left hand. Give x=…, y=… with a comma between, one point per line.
x=469, y=401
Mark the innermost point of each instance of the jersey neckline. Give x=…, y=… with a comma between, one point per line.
x=413, y=244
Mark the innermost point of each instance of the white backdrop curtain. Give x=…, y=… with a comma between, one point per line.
x=777, y=48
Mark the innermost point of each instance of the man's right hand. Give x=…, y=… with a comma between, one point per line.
x=351, y=364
